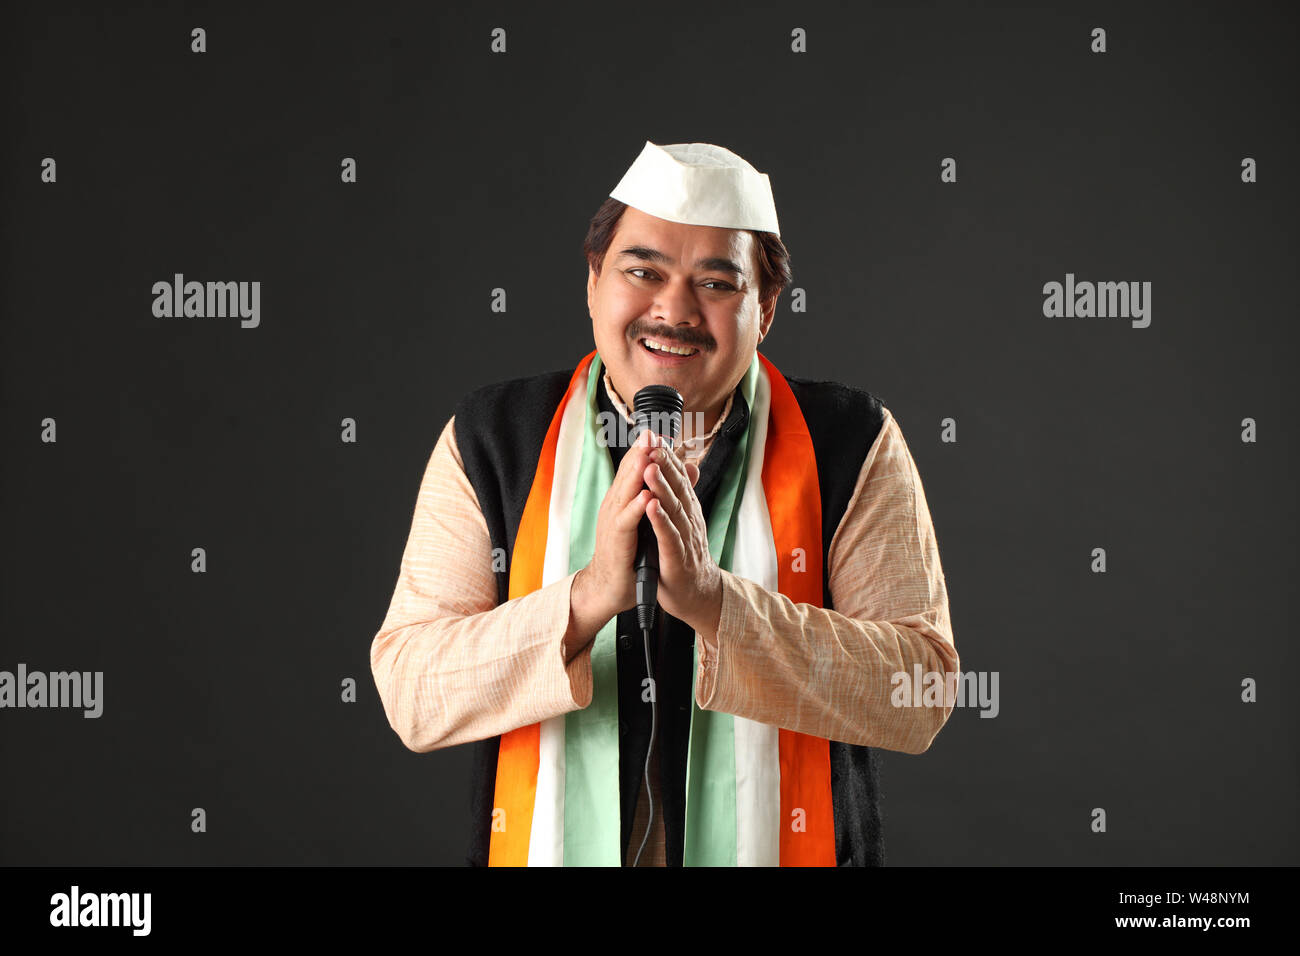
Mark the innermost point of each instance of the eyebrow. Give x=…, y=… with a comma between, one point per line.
x=648, y=254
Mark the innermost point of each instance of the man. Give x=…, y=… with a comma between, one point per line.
x=799, y=570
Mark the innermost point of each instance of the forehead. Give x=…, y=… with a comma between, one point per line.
x=641, y=228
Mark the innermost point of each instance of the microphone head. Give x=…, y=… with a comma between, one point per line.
x=658, y=408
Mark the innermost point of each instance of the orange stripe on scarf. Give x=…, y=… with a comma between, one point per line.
x=520, y=753
x=794, y=507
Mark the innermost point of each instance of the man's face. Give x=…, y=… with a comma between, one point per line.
x=685, y=287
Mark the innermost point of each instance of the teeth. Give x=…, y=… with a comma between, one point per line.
x=675, y=350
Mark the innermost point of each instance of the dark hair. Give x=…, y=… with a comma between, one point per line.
x=773, y=259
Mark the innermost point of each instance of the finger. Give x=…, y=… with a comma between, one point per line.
x=688, y=473
x=668, y=491
x=629, y=480
x=672, y=552
x=678, y=477
x=629, y=516
x=683, y=481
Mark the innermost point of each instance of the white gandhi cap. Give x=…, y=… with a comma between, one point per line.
x=699, y=184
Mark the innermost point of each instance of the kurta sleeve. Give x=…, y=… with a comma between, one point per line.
x=450, y=664
x=830, y=673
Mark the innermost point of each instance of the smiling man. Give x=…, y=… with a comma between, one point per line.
x=679, y=306
x=799, y=569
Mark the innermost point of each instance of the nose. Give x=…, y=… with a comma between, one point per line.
x=676, y=303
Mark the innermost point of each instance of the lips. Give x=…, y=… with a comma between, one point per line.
x=669, y=347
x=662, y=357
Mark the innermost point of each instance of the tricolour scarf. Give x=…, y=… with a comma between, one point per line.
x=756, y=794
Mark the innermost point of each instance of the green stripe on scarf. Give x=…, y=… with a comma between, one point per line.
x=591, y=793
x=592, y=822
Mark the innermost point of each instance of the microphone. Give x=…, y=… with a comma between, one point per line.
x=659, y=409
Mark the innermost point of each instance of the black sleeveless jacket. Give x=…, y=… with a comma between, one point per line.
x=499, y=432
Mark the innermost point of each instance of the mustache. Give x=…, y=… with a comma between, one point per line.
x=687, y=337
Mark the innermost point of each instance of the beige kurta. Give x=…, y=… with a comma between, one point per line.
x=453, y=667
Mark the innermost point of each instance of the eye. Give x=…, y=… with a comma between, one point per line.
x=720, y=285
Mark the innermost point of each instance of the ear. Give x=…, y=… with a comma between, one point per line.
x=766, y=314
x=591, y=288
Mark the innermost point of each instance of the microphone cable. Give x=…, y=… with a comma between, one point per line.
x=654, y=722
x=658, y=408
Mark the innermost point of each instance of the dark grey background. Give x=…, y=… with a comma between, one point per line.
x=1118, y=690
